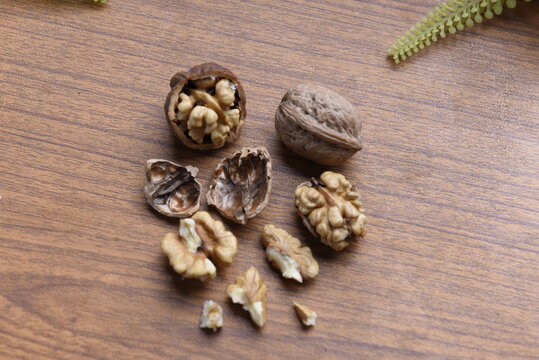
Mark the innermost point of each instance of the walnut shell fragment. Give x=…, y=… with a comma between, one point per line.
x=172, y=189
x=331, y=210
x=206, y=106
x=241, y=185
x=305, y=315
x=212, y=316
x=286, y=254
x=200, y=239
x=250, y=291
x=318, y=124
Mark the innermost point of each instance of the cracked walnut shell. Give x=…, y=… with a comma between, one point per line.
x=331, y=210
x=241, y=185
x=200, y=239
x=250, y=291
x=318, y=124
x=206, y=106
x=212, y=316
x=172, y=189
x=286, y=254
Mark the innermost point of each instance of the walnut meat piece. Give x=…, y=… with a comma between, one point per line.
x=206, y=106
x=305, y=315
x=286, y=254
x=331, y=210
x=172, y=189
x=250, y=291
x=241, y=185
x=212, y=316
x=318, y=124
x=200, y=239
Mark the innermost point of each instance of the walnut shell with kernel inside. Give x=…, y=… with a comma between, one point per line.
x=318, y=124
x=206, y=106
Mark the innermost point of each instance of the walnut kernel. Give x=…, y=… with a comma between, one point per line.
x=331, y=210
x=305, y=315
x=286, y=254
x=212, y=316
x=250, y=291
x=206, y=106
x=200, y=239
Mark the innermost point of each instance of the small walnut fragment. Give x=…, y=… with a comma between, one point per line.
x=318, y=124
x=241, y=185
x=250, y=291
x=305, y=315
x=286, y=253
x=206, y=106
x=172, y=189
x=331, y=210
x=212, y=316
x=201, y=242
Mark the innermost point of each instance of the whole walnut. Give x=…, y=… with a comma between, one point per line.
x=318, y=124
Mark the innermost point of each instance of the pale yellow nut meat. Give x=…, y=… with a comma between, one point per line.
x=186, y=104
x=286, y=253
x=250, y=291
x=305, y=315
x=184, y=262
x=212, y=316
x=332, y=209
x=200, y=240
x=225, y=92
x=202, y=121
x=220, y=244
x=209, y=109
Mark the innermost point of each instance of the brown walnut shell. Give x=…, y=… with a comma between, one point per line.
x=241, y=185
x=172, y=189
x=184, y=82
x=318, y=124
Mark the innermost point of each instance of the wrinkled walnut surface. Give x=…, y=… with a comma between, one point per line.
x=331, y=210
x=206, y=106
x=241, y=185
x=211, y=316
x=305, y=315
x=200, y=239
x=172, y=189
x=318, y=124
x=250, y=291
x=286, y=254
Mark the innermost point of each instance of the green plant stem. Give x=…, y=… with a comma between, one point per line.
x=448, y=17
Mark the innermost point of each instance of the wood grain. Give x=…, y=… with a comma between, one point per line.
x=449, y=177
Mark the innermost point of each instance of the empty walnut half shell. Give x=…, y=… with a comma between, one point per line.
x=172, y=189
x=331, y=210
x=318, y=124
x=241, y=185
x=206, y=106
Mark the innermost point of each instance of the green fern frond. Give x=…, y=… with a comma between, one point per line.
x=448, y=17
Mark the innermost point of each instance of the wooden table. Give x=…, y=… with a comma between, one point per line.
x=449, y=178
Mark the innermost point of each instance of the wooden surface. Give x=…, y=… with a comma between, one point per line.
x=449, y=178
